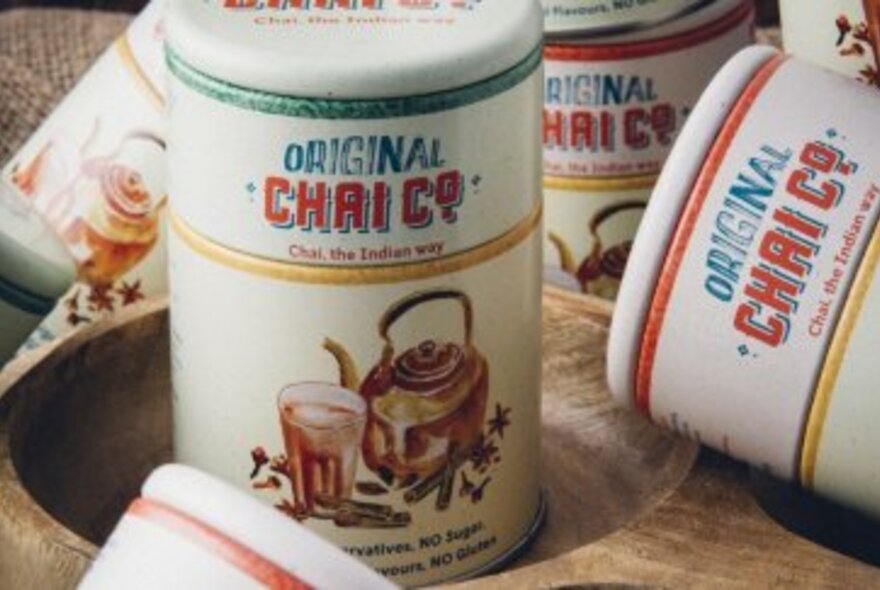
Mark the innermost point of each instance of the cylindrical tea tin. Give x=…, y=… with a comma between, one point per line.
x=95, y=172
x=590, y=227
x=189, y=530
x=613, y=106
x=603, y=17
x=843, y=35
x=744, y=263
x=364, y=223
x=35, y=271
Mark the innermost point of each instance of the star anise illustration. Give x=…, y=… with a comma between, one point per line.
x=130, y=294
x=74, y=319
x=484, y=454
x=478, y=494
x=100, y=299
x=500, y=421
x=467, y=486
x=72, y=302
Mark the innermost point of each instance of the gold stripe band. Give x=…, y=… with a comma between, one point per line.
x=626, y=183
x=123, y=48
x=834, y=360
x=336, y=275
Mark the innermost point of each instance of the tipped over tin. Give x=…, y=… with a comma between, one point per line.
x=740, y=323
x=35, y=271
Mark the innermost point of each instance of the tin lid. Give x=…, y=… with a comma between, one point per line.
x=664, y=210
x=699, y=24
x=353, y=49
x=260, y=528
x=35, y=265
x=589, y=18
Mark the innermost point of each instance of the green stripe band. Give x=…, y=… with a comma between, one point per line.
x=315, y=108
x=26, y=301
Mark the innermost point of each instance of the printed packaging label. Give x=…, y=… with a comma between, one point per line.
x=95, y=172
x=843, y=35
x=396, y=414
x=616, y=110
x=590, y=232
x=761, y=265
x=361, y=187
x=594, y=16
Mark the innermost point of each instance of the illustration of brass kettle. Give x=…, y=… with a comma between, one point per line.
x=426, y=403
x=600, y=273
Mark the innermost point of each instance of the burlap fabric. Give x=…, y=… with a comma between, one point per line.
x=43, y=52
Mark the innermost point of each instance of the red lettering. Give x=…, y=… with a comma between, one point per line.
x=414, y=213
x=825, y=196
x=554, y=133
x=274, y=190
x=663, y=121
x=582, y=132
x=350, y=207
x=771, y=290
x=380, y=206
x=633, y=134
x=311, y=205
x=799, y=223
x=771, y=333
x=787, y=253
x=607, y=131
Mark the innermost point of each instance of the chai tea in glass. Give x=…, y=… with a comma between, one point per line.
x=323, y=426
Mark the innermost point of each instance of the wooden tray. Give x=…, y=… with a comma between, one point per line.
x=83, y=421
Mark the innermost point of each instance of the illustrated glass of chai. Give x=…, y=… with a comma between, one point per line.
x=323, y=426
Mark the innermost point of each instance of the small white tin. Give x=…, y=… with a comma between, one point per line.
x=749, y=246
x=604, y=17
x=843, y=35
x=590, y=229
x=95, y=172
x=35, y=271
x=189, y=530
x=613, y=106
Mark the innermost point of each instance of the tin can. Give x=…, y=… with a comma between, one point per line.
x=370, y=238
x=744, y=264
x=189, y=530
x=843, y=35
x=35, y=271
x=95, y=172
x=613, y=106
x=604, y=17
x=590, y=229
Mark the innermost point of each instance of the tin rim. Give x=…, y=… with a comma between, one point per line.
x=665, y=210
x=349, y=109
x=574, y=33
x=24, y=300
x=624, y=50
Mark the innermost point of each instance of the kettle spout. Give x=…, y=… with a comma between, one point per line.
x=348, y=372
x=566, y=256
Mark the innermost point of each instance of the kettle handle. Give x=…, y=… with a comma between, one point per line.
x=404, y=306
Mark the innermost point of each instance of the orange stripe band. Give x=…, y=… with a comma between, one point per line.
x=685, y=230
x=216, y=543
x=641, y=49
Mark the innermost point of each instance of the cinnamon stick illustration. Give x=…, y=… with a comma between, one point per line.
x=872, y=19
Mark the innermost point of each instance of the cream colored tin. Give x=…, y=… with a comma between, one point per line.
x=843, y=35
x=745, y=262
x=356, y=260
x=603, y=17
x=841, y=454
x=95, y=172
x=613, y=106
x=35, y=271
x=189, y=530
x=590, y=229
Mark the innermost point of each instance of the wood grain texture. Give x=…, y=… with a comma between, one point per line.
x=83, y=421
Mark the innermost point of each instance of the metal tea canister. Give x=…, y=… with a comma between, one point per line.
x=35, y=271
x=189, y=530
x=613, y=107
x=94, y=171
x=843, y=35
x=577, y=17
x=356, y=269
x=742, y=322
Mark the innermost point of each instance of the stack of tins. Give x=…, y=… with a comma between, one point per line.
x=621, y=80
x=95, y=173
x=843, y=35
x=355, y=261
